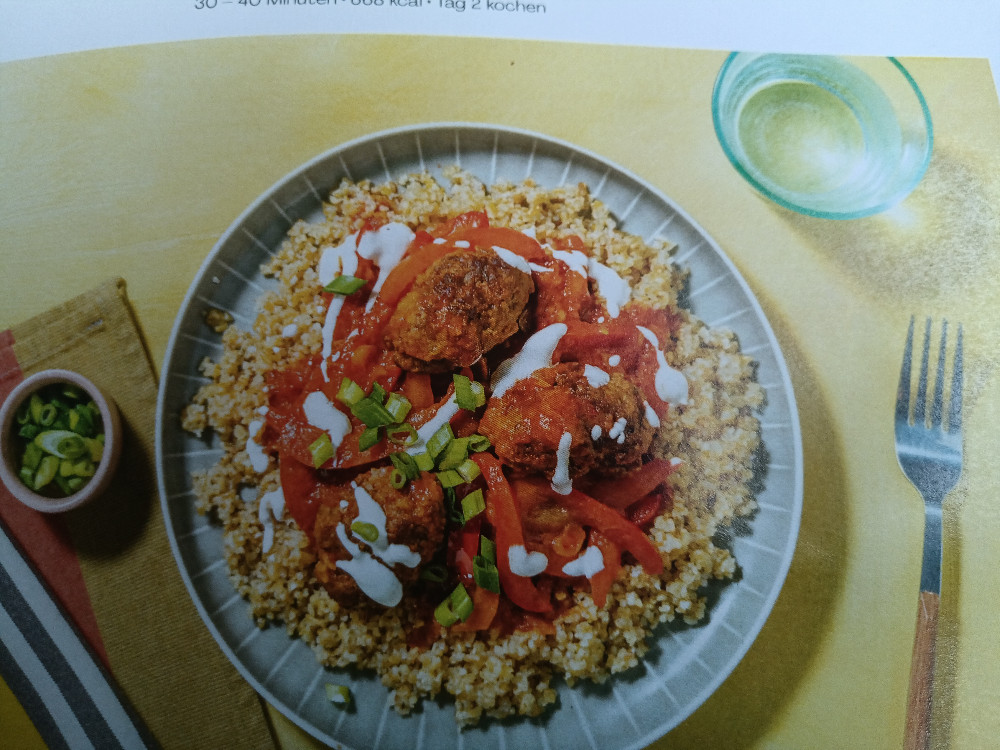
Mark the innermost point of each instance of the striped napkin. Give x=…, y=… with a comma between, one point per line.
x=99, y=639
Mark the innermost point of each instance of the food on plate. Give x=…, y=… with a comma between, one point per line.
x=472, y=441
x=61, y=439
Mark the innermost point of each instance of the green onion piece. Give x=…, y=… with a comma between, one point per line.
x=468, y=393
x=344, y=284
x=35, y=405
x=439, y=440
x=402, y=434
x=378, y=393
x=369, y=438
x=371, y=412
x=398, y=406
x=23, y=413
x=468, y=470
x=95, y=447
x=61, y=443
x=397, y=479
x=29, y=431
x=451, y=508
x=365, y=530
x=81, y=421
x=424, y=461
x=435, y=573
x=405, y=464
x=32, y=456
x=478, y=443
x=488, y=549
x=339, y=695
x=321, y=450
x=458, y=606
x=485, y=574
x=75, y=483
x=84, y=468
x=473, y=504
x=27, y=476
x=450, y=478
x=48, y=415
x=349, y=392
x=65, y=468
x=454, y=453
x=47, y=469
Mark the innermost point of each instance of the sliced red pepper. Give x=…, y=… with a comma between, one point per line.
x=616, y=527
x=602, y=580
x=503, y=513
x=621, y=492
x=485, y=604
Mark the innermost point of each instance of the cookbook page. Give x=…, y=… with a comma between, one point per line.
x=498, y=374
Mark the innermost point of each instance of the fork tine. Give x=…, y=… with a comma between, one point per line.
x=920, y=407
x=937, y=405
x=903, y=390
x=955, y=406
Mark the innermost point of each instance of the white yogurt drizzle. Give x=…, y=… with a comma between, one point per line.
x=371, y=512
x=255, y=451
x=270, y=509
x=384, y=247
x=596, y=376
x=588, y=564
x=671, y=385
x=562, y=483
x=320, y=412
x=441, y=417
x=526, y=564
x=651, y=416
x=536, y=354
x=374, y=579
x=512, y=259
x=617, y=431
x=615, y=290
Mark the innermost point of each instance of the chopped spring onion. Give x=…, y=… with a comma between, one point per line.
x=378, y=393
x=450, y=478
x=469, y=394
x=424, y=461
x=402, y=434
x=344, y=284
x=473, y=504
x=369, y=438
x=435, y=573
x=485, y=574
x=61, y=443
x=488, y=549
x=398, y=406
x=63, y=439
x=454, y=453
x=478, y=443
x=47, y=469
x=468, y=470
x=339, y=695
x=372, y=413
x=349, y=392
x=322, y=450
x=458, y=606
x=405, y=464
x=365, y=530
x=439, y=440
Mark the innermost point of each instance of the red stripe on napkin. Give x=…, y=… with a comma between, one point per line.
x=43, y=538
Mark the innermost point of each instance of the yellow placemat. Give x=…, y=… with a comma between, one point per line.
x=157, y=647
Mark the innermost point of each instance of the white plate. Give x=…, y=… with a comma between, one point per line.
x=687, y=664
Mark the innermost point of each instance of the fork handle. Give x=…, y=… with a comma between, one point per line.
x=918, y=709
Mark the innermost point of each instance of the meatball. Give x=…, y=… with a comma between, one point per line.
x=414, y=520
x=604, y=415
x=465, y=304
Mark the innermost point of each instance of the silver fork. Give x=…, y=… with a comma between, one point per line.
x=929, y=450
